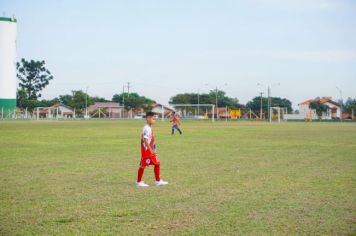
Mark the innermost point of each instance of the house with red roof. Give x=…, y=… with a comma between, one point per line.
x=333, y=112
x=306, y=113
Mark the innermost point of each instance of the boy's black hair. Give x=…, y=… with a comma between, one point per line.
x=149, y=114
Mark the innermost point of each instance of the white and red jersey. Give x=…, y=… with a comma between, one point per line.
x=147, y=133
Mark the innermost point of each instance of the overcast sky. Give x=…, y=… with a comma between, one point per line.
x=164, y=47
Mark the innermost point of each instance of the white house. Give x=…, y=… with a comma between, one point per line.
x=305, y=112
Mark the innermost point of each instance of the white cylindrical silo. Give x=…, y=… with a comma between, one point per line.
x=8, y=81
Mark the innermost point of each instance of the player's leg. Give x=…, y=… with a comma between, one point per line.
x=159, y=181
x=173, y=129
x=140, y=172
x=180, y=131
x=157, y=172
x=157, y=166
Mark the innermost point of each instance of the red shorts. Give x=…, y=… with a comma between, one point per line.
x=147, y=161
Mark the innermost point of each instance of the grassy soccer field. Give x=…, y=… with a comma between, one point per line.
x=77, y=177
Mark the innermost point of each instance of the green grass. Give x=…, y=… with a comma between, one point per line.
x=77, y=177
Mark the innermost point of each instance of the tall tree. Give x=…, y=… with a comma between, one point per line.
x=80, y=100
x=134, y=101
x=319, y=108
x=255, y=104
x=22, y=99
x=33, y=77
x=99, y=99
x=24, y=102
x=206, y=98
x=350, y=105
x=65, y=99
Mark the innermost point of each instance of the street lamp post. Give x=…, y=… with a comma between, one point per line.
x=216, y=99
x=86, y=102
x=123, y=96
x=340, y=91
x=198, y=101
x=216, y=103
x=269, y=100
x=269, y=104
x=261, y=111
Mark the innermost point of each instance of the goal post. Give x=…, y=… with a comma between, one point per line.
x=277, y=113
x=195, y=111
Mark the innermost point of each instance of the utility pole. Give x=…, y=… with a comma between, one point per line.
x=340, y=91
x=198, y=101
x=123, y=95
x=216, y=101
x=261, y=107
x=86, y=103
x=269, y=104
x=269, y=99
x=128, y=89
x=128, y=95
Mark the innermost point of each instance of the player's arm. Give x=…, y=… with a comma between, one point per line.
x=149, y=146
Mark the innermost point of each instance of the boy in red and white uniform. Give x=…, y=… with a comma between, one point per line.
x=148, y=153
x=176, y=122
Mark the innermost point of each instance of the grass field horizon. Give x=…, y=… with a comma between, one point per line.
x=234, y=178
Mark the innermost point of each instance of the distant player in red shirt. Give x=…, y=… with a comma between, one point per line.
x=148, y=153
x=175, y=123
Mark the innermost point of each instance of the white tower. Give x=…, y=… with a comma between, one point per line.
x=8, y=80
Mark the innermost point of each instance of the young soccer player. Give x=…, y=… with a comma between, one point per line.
x=175, y=121
x=148, y=153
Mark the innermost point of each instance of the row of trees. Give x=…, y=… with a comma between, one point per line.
x=349, y=106
x=255, y=104
x=34, y=77
x=134, y=101
x=80, y=100
x=206, y=98
x=224, y=101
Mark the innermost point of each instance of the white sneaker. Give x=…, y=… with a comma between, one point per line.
x=161, y=183
x=141, y=184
